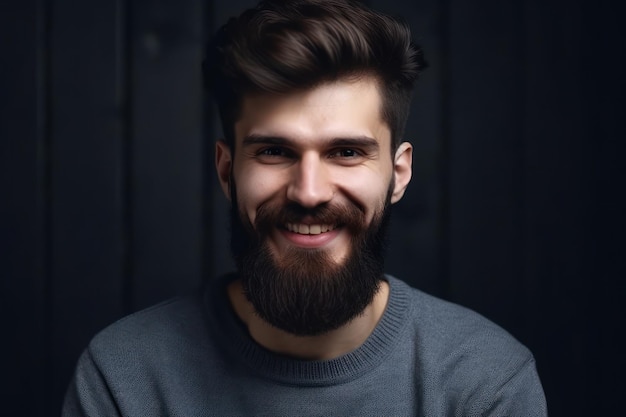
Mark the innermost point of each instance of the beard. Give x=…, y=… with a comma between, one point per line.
x=306, y=292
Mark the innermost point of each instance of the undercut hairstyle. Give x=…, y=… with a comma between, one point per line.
x=284, y=46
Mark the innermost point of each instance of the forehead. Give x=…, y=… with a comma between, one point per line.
x=343, y=108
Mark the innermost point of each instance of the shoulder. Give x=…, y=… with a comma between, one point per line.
x=450, y=326
x=130, y=365
x=165, y=326
x=469, y=357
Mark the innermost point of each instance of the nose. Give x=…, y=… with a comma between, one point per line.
x=310, y=184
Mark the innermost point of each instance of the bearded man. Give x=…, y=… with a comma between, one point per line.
x=313, y=97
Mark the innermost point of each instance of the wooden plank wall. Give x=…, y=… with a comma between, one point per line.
x=109, y=203
x=24, y=211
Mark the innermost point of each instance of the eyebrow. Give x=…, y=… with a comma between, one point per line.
x=354, y=141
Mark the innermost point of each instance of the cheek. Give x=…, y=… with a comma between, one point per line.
x=367, y=189
x=254, y=189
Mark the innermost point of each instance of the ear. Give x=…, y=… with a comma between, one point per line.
x=223, y=165
x=402, y=170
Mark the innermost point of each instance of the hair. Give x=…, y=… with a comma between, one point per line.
x=283, y=46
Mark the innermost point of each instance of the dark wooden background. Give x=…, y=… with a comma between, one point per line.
x=108, y=201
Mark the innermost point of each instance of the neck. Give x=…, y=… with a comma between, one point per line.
x=322, y=347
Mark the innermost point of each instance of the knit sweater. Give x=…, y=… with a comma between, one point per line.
x=191, y=356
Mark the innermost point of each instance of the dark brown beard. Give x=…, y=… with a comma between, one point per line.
x=305, y=292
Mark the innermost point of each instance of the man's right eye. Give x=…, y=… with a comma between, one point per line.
x=273, y=151
x=274, y=155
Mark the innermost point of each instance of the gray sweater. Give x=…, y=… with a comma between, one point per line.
x=192, y=357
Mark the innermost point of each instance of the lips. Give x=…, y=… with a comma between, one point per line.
x=309, y=229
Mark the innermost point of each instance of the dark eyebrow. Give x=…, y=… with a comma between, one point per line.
x=356, y=142
x=264, y=140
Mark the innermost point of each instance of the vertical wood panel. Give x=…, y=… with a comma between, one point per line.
x=486, y=159
x=22, y=207
x=87, y=179
x=603, y=52
x=557, y=189
x=167, y=149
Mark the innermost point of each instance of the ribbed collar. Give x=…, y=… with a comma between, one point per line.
x=307, y=372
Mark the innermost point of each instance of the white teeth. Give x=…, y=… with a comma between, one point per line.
x=309, y=229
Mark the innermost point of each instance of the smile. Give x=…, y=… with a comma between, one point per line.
x=309, y=229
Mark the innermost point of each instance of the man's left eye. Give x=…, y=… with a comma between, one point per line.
x=344, y=153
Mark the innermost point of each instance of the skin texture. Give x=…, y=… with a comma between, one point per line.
x=328, y=144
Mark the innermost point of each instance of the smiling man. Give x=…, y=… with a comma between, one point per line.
x=310, y=184
x=313, y=97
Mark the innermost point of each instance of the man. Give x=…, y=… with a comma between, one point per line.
x=313, y=96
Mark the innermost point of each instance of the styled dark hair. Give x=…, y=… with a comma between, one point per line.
x=283, y=46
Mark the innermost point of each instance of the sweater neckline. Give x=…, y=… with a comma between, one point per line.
x=239, y=344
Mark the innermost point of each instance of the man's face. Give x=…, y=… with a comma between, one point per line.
x=312, y=177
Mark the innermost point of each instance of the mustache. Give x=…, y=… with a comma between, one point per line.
x=345, y=215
